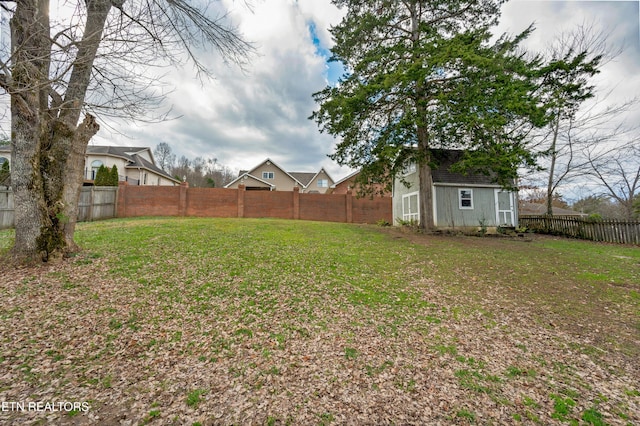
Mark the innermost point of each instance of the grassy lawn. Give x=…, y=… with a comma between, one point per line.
x=272, y=322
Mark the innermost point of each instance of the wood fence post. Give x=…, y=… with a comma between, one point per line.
x=241, y=190
x=296, y=203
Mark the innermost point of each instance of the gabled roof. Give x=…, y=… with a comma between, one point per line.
x=346, y=178
x=247, y=175
x=304, y=178
x=445, y=158
x=119, y=151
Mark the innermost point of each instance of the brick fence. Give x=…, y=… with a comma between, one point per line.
x=221, y=202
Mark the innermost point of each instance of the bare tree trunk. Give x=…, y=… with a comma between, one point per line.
x=73, y=176
x=552, y=167
x=30, y=36
x=427, y=221
x=48, y=144
x=425, y=176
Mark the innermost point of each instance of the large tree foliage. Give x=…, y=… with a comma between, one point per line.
x=92, y=57
x=423, y=75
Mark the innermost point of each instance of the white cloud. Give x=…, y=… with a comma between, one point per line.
x=243, y=117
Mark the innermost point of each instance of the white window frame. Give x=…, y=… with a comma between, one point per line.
x=411, y=216
x=460, y=198
x=323, y=183
x=268, y=175
x=410, y=168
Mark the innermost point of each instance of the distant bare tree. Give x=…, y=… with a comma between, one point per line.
x=576, y=121
x=164, y=156
x=73, y=61
x=618, y=172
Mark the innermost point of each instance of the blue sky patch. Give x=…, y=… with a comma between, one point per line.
x=334, y=69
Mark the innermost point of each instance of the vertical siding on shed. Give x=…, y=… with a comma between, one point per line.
x=450, y=215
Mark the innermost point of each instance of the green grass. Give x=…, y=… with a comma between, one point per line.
x=248, y=306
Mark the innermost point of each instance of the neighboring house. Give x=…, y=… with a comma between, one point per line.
x=136, y=165
x=268, y=176
x=537, y=209
x=349, y=182
x=459, y=200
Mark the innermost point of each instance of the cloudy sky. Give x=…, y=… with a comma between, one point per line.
x=241, y=118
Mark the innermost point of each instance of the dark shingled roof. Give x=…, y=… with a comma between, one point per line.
x=445, y=158
x=302, y=177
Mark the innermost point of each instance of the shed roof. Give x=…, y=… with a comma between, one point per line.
x=445, y=158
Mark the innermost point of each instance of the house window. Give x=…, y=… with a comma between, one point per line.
x=410, y=207
x=323, y=183
x=465, y=199
x=267, y=175
x=409, y=168
x=95, y=165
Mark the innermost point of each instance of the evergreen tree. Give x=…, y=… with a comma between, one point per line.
x=423, y=75
x=102, y=177
x=113, y=176
x=5, y=172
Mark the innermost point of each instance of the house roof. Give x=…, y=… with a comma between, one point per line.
x=354, y=174
x=445, y=158
x=537, y=209
x=246, y=175
x=304, y=178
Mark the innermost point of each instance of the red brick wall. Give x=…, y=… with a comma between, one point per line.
x=148, y=200
x=324, y=207
x=268, y=204
x=212, y=202
x=219, y=202
x=367, y=210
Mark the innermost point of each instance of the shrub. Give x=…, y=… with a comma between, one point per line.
x=102, y=177
x=114, y=176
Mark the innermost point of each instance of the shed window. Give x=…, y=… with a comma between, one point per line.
x=465, y=199
x=267, y=175
x=410, y=207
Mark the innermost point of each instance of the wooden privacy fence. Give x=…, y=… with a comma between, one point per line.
x=612, y=231
x=96, y=202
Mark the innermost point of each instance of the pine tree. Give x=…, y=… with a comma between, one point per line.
x=102, y=177
x=113, y=178
x=5, y=172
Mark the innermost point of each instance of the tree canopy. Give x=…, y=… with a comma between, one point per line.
x=425, y=75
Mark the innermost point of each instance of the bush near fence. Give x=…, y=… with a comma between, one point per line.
x=612, y=231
